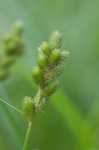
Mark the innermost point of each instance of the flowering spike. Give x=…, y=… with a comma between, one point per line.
x=50, y=64
x=12, y=46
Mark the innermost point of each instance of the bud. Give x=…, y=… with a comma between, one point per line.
x=55, y=40
x=3, y=74
x=28, y=108
x=7, y=61
x=45, y=48
x=37, y=75
x=42, y=61
x=50, y=88
x=54, y=57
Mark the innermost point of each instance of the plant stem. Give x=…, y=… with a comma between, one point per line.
x=27, y=135
x=11, y=106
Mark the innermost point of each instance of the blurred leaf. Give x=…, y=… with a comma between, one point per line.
x=72, y=116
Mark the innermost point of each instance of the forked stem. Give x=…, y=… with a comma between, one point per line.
x=25, y=145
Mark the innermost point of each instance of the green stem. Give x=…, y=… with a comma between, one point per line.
x=27, y=135
x=11, y=106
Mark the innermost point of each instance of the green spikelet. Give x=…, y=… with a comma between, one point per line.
x=45, y=48
x=56, y=40
x=51, y=63
x=54, y=57
x=28, y=108
x=42, y=61
x=37, y=75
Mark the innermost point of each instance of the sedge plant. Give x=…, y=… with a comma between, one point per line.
x=51, y=62
x=12, y=46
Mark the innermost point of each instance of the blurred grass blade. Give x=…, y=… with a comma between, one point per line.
x=81, y=128
x=11, y=126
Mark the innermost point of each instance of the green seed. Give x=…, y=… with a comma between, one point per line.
x=45, y=48
x=28, y=108
x=50, y=88
x=54, y=57
x=42, y=61
x=56, y=40
x=37, y=75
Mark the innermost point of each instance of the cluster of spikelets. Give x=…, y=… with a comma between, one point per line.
x=11, y=47
x=50, y=65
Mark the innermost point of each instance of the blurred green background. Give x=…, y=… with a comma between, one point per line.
x=71, y=120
